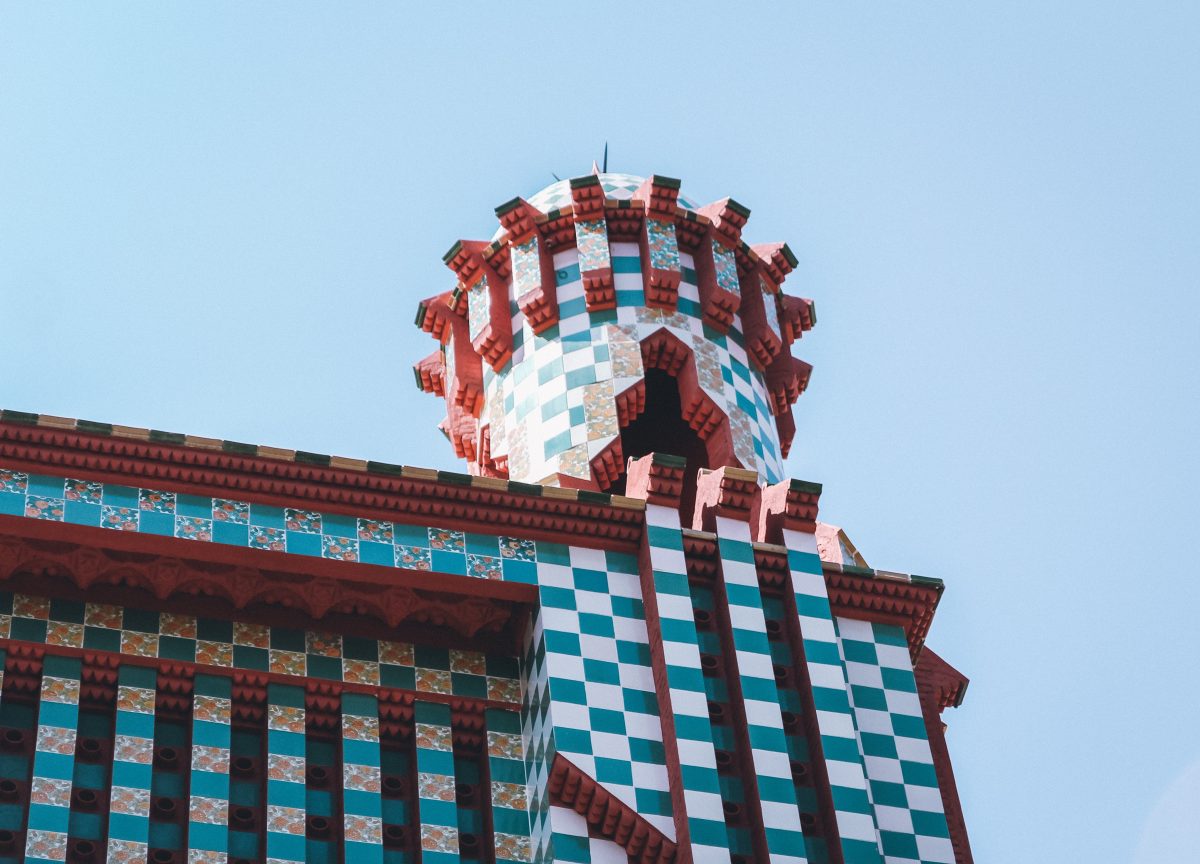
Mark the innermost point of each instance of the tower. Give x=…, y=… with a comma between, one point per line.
x=623, y=635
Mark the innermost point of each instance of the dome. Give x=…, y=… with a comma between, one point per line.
x=618, y=187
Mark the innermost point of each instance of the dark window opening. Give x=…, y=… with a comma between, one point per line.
x=662, y=429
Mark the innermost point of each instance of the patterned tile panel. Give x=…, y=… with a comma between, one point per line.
x=286, y=804
x=243, y=645
x=53, y=760
x=133, y=753
x=274, y=529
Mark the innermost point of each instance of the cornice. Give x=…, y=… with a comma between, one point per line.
x=87, y=450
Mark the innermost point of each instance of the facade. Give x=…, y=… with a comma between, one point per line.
x=623, y=636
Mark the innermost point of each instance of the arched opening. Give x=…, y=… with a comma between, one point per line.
x=660, y=428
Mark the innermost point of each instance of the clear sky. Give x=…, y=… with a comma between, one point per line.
x=217, y=218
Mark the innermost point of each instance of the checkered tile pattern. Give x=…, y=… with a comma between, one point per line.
x=685, y=684
x=242, y=645
x=257, y=526
x=600, y=681
x=891, y=732
x=285, y=774
x=208, y=805
x=133, y=754
x=537, y=737
x=571, y=842
x=437, y=802
x=857, y=830
x=619, y=187
x=54, y=760
x=506, y=768
x=361, y=803
x=764, y=718
x=552, y=409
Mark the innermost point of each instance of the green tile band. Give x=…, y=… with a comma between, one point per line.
x=362, y=806
x=437, y=805
x=53, y=760
x=857, y=830
x=208, y=807
x=760, y=695
x=506, y=768
x=132, y=769
x=668, y=583
x=891, y=730
x=286, y=810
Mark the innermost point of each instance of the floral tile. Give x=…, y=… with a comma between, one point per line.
x=118, y=518
x=193, y=528
x=396, y=653
x=131, y=802
x=50, y=791
x=37, y=507
x=591, y=239
x=215, y=760
x=339, y=548
x=251, y=635
x=504, y=745
x=439, y=838
x=130, y=748
x=285, y=820
x=214, y=653
x=235, y=512
x=208, y=811
x=139, y=644
x=139, y=700
x=53, y=739
x=513, y=847
x=28, y=606
x=376, y=531
x=363, y=829
x=286, y=769
x=471, y=662
x=49, y=845
x=14, y=481
x=478, y=307
x=288, y=662
x=414, y=558
x=285, y=718
x=127, y=851
x=272, y=539
x=61, y=633
x=436, y=787
x=304, y=521
x=363, y=778
x=509, y=795
x=156, y=502
x=518, y=549
x=434, y=736
x=485, y=567
x=447, y=541
x=664, y=247
x=360, y=672
x=85, y=491
x=526, y=266
x=213, y=709
x=171, y=624
x=64, y=690
x=358, y=728
x=324, y=644
x=504, y=690
x=103, y=615
x=434, y=681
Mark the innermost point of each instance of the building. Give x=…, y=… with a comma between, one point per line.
x=623, y=636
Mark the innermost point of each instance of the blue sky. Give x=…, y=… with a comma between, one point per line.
x=218, y=218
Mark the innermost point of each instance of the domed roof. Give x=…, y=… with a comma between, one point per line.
x=619, y=187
